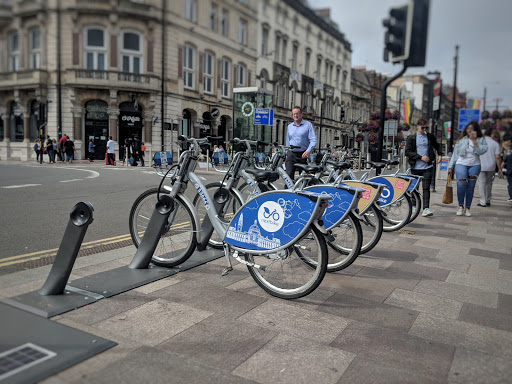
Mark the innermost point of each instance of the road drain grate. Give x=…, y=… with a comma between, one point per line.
x=23, y=357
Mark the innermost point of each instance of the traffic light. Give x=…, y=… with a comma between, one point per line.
x=418, y=45
x=398, y=35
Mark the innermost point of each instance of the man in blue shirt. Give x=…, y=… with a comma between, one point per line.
x=300, y=135
x=419, y=148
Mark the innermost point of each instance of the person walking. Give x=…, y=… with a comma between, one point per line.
x=488, y=162
x=419, y=150
x=69, y=149
x=300, y=135
x=49, y=150
x=142, y=152
x=466, y=162
x=38, y=150
x=111, y=146
x=136, y=150
x=507, y=163
x=91, y=150
x=55, y=149
x=61, y=147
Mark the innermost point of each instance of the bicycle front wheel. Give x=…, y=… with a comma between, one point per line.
x=372, y=225
x=416, y=205
x=296, y=271
x=348, y=238
x=177, y=242
x=396, y=215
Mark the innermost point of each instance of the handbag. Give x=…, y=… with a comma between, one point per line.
x=448, y=192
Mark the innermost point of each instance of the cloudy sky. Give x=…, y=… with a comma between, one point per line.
x=482, y=29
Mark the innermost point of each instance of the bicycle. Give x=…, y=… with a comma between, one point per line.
x=286, y=257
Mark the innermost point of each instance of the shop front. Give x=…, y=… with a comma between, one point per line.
x=96, y=127
x=130, y=125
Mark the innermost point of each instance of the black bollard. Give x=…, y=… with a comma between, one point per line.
x=79, y=220
x=153, y=232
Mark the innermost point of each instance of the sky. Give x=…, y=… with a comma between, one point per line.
x=482, y=29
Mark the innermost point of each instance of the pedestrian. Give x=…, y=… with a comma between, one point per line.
x=55, y=149
x=301, y=136
x=49, y=150
x=230, y=149
x=69, y=149
x=136, y=150
x=421, y=150
x=507, y=164
x=91, y=150
x=488, y=162
x=38, y=151
x=142, y=153
x=127, y=150
x=111, y=146
x=466, y=163
x=61, y=147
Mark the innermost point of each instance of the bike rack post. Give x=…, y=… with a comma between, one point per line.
x=79, y=220
x=156, y=227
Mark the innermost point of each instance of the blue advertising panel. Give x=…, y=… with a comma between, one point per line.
x=340, y=202
x=414, y=181
x=263, y=116
x=443, y=166
x=466, y=116
x=162, y=158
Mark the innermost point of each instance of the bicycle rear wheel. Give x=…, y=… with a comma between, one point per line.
x=372, y=226
x=296, y=271
x=416, y=205
x=348, y=238
x=396, y=215
x=177, y=242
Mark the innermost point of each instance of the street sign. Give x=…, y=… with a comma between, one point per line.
x=435, y=104
x=390, y=128
x=215, y=113
x=263, y=116
x=466, y=116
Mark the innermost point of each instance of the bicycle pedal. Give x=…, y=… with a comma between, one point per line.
x=330, y=237
x=226, y=271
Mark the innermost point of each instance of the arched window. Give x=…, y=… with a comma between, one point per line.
x=132, y=52
x=95, y=48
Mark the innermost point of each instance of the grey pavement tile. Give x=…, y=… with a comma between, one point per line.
x=458, y=292
x=462, y=334
x=20, y=289
x=364, y=371
x=479, y=368
x=484, y=283
x=108, y=307
x=397, y=349
x=505, y=304
x=420, y=302
x=485, y=246
x=474, y=239
x=461, y=257
x=414, y=268
x=374, y=262
x=383, y=315
x=506, y=264
x=414, y=249
x=362, y=287
x=279, y=316
x=396, y=279
x=289, y=360
x=223, y=343
x=445, y=265
x=101, y=267
x=488, y=253
x=154, y=322
x=393, y=254
x=504, y=243
x=478, y=270
x=159, y=284
x=150, y=365
x=488, y=317
x=211, y=274
x=499, y=232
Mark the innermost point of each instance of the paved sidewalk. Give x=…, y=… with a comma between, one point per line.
x=432, y=305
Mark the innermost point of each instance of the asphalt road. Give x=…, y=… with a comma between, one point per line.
x=36, y=201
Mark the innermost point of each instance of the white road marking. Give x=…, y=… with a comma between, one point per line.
x=93, y=175
x=69, y=181
x=202, y=178
x=21, y=186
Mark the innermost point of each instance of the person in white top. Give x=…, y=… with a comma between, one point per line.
x=111, y=145
x=488, y=162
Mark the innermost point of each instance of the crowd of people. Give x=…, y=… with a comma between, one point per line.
x=64, y=149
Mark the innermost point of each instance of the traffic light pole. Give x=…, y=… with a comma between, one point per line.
x=383, y=104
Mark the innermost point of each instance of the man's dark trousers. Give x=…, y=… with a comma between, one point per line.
x=291, y=159
x=427, y=178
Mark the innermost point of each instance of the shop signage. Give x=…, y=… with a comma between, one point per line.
x=130, y=119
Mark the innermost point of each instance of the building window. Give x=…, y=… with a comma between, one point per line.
x=208, y=70
x=213, y=17
x=338, y=70
x=95, y=48
x=265, y=6
x=277, y=48
x=295, y=23
x=344, y=82
x=225, y=78
x=242, y=31
x=308, y=33
x=283, y=55
x=306, y=64
x=264, y=41
x=35, y=48
x=263, y=80
x=189, y=67
x=191, y=10
x=292, y=96
x=14, y=52
x=278, y=13
x=278, y=99
x=295, y=51
x=318, y=68
x=224, y=21
x=131, y=52
x=283, y=94
x=241, y=73
x=326, y=72
x=319, y=41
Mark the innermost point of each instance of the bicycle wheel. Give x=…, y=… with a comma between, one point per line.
x=232, y=205
x=348, y=238
x=294, y=272
x=416, y=205
x=178, y=240
x=371, y=225
x=397, y=214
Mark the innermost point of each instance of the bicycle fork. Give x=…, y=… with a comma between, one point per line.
x=229, y=268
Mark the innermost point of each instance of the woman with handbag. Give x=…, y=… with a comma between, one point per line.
x=466, y=162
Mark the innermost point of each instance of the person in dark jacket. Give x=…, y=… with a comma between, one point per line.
x=419, y=149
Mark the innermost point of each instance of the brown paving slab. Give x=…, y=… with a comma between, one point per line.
x=458, y=293
x=487, y=246
x=462, y=334
x=383, y=315
x=423, y=271
x=279, y=316
x=290, y=360
x=105, y=308
x=154, y=322
x=485, y=283
x=479, y=368
x=397, y=280
x=397, y=349
x=392, y=254
x=365, y=288
x=499, y=232
x=364, y=371
x=150, y=365
x=223, y=343
x=374, y=262
x=462, y=257
x=487, y=317
x=414, y=249
x=474, y=239
x=440, y=264
x=505, y=304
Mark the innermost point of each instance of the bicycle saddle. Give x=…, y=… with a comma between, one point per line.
x=339, y=164
x=377, y=165
x=263, y=175
x=309, y=168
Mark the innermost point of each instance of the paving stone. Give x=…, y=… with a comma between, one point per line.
x=505, y=304
x=156, y=366
x=383, y=315
x=437, y=263
x=279, y=316
x=159, y=284
x=462, y=334
x=211, y=274
x=487, y=317
x=154, y=322
x=102, y=267
x=397, y=349
x=374, y=262
x=397, y=280
x=105, y=308
x=503, y=243
x=392, y=254
x=478, y=270
x=485, y=246
x=420, y=302
x=416, y=269
x=465, y=258
x=289, y=360
x=223, y=343
x=482, y=282
x=20, y=289
x=432, y=242
x=458, y=293
x=479, y=368
x=370, y=289
x=490, y=254
x=498, y=232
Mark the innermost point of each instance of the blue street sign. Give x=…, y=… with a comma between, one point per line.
x=263, y=116
x=466, y=116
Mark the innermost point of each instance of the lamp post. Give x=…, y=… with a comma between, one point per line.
x=452, y=133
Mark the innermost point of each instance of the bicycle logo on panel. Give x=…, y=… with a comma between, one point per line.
x=271, y=216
